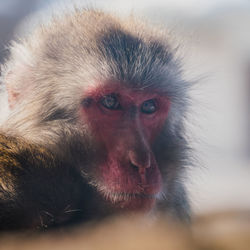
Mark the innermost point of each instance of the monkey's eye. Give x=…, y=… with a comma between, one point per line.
x=149, y=106
x=110, y=102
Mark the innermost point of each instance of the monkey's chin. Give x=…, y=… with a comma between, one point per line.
x=131, y=202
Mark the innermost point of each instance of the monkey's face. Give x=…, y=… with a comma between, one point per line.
x=125, y=122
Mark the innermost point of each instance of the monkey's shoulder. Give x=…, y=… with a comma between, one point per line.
x=24, y=166
x=17, y=153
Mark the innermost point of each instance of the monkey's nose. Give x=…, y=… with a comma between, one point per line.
x=140, y=160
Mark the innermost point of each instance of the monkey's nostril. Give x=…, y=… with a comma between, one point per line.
x=134, y=166
x=140, y=170
x=138, y=161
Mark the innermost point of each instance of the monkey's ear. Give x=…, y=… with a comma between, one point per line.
x=13, y=93
x=17, y=83
x=17, y=74
x=13, y=97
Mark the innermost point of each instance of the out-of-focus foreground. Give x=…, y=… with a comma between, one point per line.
x=228, y=231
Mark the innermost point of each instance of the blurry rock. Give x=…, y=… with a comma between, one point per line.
x=221, y=231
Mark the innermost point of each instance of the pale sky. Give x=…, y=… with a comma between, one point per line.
x=192, y=7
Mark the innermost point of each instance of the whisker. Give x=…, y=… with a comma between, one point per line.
x=73, y=210
x=49, y=214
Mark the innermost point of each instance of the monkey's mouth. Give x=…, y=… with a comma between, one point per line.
x=141, y=200
x=130, y=201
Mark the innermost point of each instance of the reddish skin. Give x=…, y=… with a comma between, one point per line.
x=126, y=134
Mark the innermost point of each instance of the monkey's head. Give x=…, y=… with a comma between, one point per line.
x=119, y=83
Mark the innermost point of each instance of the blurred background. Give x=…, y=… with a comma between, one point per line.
x=215, y=43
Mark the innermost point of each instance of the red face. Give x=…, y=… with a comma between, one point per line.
x=126, y=122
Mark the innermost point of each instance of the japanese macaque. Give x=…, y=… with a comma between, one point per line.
x=98, y=103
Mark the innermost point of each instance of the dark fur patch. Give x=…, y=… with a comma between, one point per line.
x=132, y=60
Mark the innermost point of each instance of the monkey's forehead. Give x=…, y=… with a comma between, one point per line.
x=94, y=45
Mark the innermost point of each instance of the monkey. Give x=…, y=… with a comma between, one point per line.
x=105, y=99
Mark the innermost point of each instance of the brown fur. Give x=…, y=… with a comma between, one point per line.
x=32, y=181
